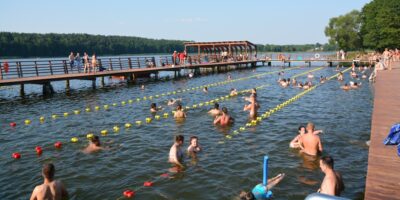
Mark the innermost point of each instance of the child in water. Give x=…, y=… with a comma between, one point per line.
x=194, y=146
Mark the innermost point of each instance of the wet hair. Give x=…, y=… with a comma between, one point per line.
x=205, y=88
x=225, y=110
x=153, y=105
x=48, y=170
x=300, y=127
x=193, y=137
x=179, y=107
x=216, y=105
x=310, y=126
x=246, y=196
x=95, y=140
x=179, y=138
x=327, y=160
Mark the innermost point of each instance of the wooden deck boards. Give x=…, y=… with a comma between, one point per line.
x=383, y=177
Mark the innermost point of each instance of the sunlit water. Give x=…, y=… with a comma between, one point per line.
x=140, y=153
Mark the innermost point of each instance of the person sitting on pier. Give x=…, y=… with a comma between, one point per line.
x=252, y=107
x=233, y=92
x=345, y=87
x=333, y=182
x=86, y=65
x=224, y=119
x=51, y=188
x=179, y=112
x=310, y=141
x=215, y=111
x=94, y=145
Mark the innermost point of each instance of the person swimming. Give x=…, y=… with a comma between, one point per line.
x=215, y=111
x=194, y=146
x=233, y=92
x=175, y=152
x=153, y=108
x=340, y=76
x=252, y=107
x=224, y=119
x=94, y=145
x=205, y=90
x=172, y=102
x=345, y=87
x=179, y=112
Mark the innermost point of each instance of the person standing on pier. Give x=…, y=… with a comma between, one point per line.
x=94, y=62
x=86, y=65
x=77, y=62
x=71, y=59
x=174, y=56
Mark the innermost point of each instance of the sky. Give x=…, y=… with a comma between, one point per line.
x=258, y=21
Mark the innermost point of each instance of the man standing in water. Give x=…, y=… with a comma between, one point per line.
x=175, y=153
x=223, y=119
x=311, y=142
x=332, y=183
x=50, y=189
x=253, y=106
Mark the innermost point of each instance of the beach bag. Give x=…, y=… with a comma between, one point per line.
x=394, y=135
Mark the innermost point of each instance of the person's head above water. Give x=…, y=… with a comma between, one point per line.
x=48, y=171
x=326, y=162
x=216, y=105
x=193, y=140
x=310, y=127
x=302, y=129
x=95, y=140
x=153, y=105
x=179, y=139
x=179, y=107
x=224, y=110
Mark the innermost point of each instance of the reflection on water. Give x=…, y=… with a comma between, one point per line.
x=140, y=153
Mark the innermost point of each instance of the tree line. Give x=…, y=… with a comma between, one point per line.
x=375, y=27
x=58, y=45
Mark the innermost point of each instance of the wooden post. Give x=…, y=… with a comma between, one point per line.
x=110, y=64
x=65, y=67
x=36, y=69
x=47, y=88
x=22, y=90
x=102, y=81
x=130, y=63
x=138, y=62
x=94, y=83
x=120, y=64
x=51, y=67
x=67, y=84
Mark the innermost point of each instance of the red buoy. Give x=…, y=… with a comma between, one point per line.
x=39, y=150
x=148, y=184
x=16, y=155
x=13, y=124
x=58, y=145
x=129, y=193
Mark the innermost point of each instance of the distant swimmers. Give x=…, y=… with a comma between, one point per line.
x=154, y=108
x=340, y=76
x=205, y=90
x=172, y=102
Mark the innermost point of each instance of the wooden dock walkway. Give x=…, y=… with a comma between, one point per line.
x=383, y=177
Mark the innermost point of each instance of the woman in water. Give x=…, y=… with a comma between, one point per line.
x=194, y=146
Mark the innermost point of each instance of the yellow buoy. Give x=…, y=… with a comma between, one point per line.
x=87, y=109
x=242, y=128
x=89, y=136
x=138, y=123
x=248, y=124
x=54, y=116
x=41, y=119
x=228, y=136
x=235, y=132
x=74, y=139
x=137, y=99
x=116, y=128
x=106, y=107
x=165, y=115
x=27, y=121
x=123, y=103
x=148, y=120
x=157, y=117
x=173, y=112
x=77, y=112
x=128, y=125
x=97, y=107
x=104, y=132
x=144, y=98
x=66, y=114
x=114, y=104
x=130, y=101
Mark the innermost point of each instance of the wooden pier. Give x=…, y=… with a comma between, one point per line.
x=383, y=177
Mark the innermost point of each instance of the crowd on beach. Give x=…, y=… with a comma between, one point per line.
x=307, y=139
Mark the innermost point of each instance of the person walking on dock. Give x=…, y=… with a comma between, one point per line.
x=174, y=56
x=77, y=62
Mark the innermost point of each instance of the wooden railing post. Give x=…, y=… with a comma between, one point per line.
x=110, y=64
x=153, y=59
x=100, y=64
x=65, y=67
x=51, y=67
x=138, y=62
x=19, y=70
x=36, y=69
x=130, y=63
x=120, y=64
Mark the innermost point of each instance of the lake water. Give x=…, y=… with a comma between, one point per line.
x=139, y=154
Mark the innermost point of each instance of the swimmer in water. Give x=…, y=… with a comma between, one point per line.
x=215, y=111
x=142, y=87
x=172, y=102
x=252, y=107
x=194, y=146
x=310, y=75
x=223, y=119
x=153, y=108
x=205, y=90
x=94, y=145
x=51, y=188
x=345, y=87
x=179, y=112
x=283, y=83
x=175, y=153
x=295, y=143
x=340, y=76
x=294, y=82
x=272, y=182
x=355, y=85
x=229, y=77
x=233, y=92
x=311, y=142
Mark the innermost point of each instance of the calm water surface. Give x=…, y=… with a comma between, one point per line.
x=140, y=153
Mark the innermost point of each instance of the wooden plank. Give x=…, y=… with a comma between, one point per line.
x=383, y=179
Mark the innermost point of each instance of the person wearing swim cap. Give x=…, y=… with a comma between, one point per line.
x=179, y=112
x=223, y=119
x=175, y=153
x=333, y=182
x=215, y=111
x=310, y=141
x=51, y=188
x=94, y=145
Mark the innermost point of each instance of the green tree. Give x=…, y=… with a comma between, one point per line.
x=381, y=24
x=345, y=31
